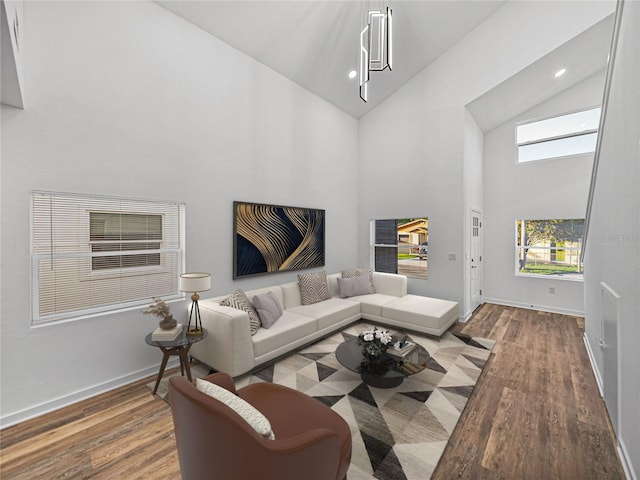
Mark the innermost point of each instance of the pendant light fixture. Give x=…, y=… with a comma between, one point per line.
x=376, y=49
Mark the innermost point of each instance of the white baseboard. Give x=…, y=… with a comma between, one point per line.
x=594, y=364
x=529, y=306
x=465, y=318
x=66, y=400
x=625, y=459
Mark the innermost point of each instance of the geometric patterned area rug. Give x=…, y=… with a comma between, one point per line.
x=398, y=433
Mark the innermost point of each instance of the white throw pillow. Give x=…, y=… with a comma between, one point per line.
x=248, y=412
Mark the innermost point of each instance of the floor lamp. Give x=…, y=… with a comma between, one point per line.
x=194, y=283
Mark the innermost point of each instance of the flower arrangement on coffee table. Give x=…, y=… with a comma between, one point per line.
x=374, y=342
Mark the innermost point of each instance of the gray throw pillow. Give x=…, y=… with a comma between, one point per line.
x=268, y=308
x=239, y=300
x=354, y=286
x=356, y=272
x=313, y=287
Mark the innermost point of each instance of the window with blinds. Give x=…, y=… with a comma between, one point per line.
x=118, y=232
x=93, y=254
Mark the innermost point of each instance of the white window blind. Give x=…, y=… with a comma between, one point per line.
x=93, y=254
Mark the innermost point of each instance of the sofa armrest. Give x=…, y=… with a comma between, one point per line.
x=390, y=284
x=228, y=347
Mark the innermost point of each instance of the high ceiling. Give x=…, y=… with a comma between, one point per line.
x=581, y=57
x=316, y=43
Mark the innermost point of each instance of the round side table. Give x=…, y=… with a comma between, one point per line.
x=180, y=347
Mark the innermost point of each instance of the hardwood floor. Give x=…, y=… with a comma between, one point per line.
x=535, y=414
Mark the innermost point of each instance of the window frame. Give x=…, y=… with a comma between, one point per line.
x=395, y=246
x=130, y=271
x=80, y=275
x=564, y=136
x=577, y=276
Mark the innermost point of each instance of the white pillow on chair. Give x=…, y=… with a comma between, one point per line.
x=248, y=412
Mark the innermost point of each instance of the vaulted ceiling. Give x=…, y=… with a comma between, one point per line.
x=316, y=44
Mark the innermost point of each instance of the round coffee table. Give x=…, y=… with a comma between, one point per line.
x=387, y=372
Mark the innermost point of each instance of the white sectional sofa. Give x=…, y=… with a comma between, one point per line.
x=229, y=346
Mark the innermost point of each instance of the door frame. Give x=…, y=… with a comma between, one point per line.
x=475, y=264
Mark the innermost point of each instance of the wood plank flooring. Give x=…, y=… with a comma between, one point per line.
x=535, y=414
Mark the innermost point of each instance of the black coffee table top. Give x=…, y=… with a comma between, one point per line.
x=388, y=371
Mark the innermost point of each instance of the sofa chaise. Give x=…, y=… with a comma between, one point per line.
x=231, y=348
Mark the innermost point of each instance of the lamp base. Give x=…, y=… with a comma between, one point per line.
x=195, y=332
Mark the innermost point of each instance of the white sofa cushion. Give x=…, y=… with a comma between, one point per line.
x=372, y=304
x=290, y=295
x=421, y=311
x=332, y=280
x=390, y=284
x=290, y=327
x=329, y=312
x=276, y=290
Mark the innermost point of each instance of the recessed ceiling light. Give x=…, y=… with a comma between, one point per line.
x=352, y=74
x=560, y=72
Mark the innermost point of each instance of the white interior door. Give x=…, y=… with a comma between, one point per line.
x=476, y=259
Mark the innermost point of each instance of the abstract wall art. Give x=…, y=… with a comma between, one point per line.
x=272, y=238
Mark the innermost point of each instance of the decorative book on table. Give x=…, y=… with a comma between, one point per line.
x=161, y=335
x=403, y=351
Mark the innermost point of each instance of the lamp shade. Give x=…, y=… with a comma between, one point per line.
x=195, y=282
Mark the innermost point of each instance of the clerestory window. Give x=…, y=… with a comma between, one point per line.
x=559, y=136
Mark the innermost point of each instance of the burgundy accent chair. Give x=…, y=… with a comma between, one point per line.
x=312, y=442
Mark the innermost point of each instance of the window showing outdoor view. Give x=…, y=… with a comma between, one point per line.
x=401, y=246
x=549, y=247
x=559, y=136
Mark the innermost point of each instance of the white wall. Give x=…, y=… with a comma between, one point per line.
x=613, y=243
x=537, y=190
x=127, y=99
x=411, y=146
